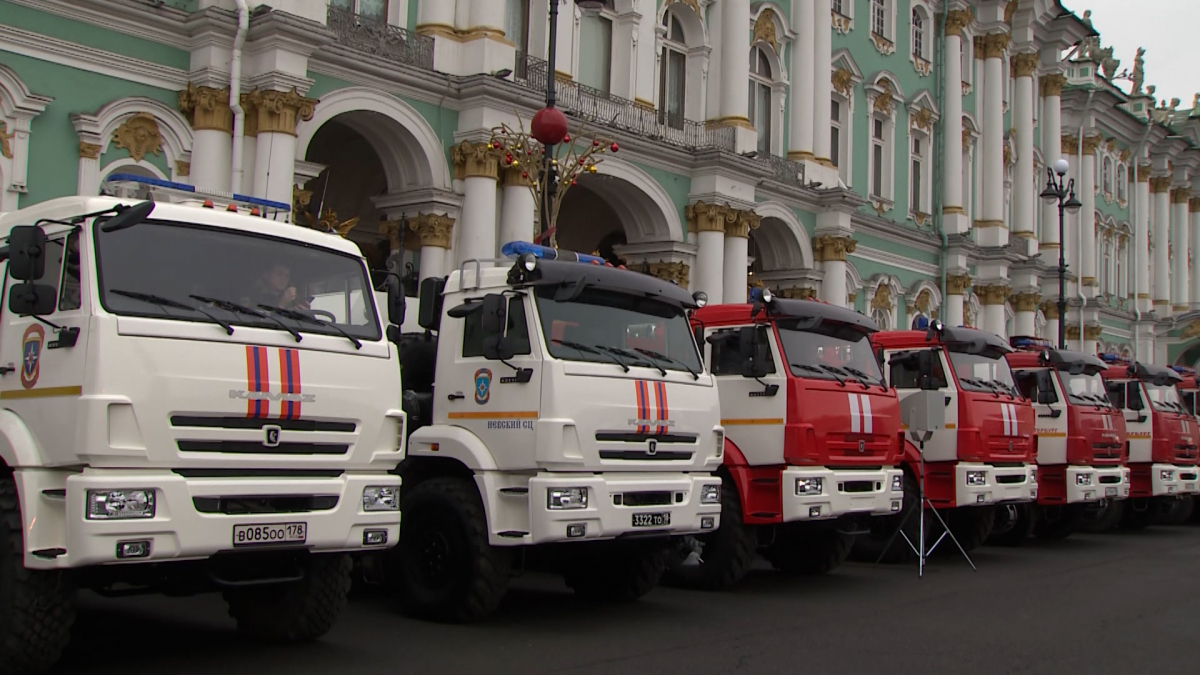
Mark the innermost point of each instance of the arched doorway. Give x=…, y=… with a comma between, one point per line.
x=780, y=253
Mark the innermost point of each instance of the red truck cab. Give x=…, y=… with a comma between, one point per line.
x=984, y=455
x=1188, y=388
x=1163, y=450
x=812, y=436
x=1079, y=436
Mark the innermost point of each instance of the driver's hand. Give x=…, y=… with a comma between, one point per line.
x=289, y=297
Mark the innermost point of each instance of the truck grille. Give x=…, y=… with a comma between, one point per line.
x=241, y=505
x=256, y=447
x=631, y=437
x=219, y=422
x=658, y=498
x=244, y=447
x=631, y=455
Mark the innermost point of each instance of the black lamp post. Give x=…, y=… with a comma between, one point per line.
x=1059, y=190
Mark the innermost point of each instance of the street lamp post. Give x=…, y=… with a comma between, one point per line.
x=1061, y=191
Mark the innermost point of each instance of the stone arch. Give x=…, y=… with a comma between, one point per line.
x=924, y=298
x=410, y=150
x=876, y=83
x=18, y=107
x=854, y=283
x=782, y=240
x=772, y=13
x=96, y=135
x=130, y=165
x=883, y=300
x=694, y=29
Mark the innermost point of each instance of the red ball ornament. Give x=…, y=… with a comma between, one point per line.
x=595, y=144
x=615, y=147
x=496, y=144
x=549, y=126
x=574, y=182
x=566, y=139
x=524, y=174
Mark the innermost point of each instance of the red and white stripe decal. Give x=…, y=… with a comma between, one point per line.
x=643, y=404
x=645, y=412
x=660, y=394
x=1008, y=412
x=289, y=371
x=861, y=419
x=258, y=379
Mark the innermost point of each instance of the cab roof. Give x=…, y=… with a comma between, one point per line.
x=1147, y=372
x=565, y=274
x=949, y=337
x=784, y=308
x=1058, y=359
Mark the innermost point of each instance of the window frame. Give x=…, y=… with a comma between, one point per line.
x=671, y=46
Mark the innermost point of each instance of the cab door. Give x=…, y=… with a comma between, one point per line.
x=1139, y=422
x=1051, y=417
x=753, y=411
x=42, y=368
x=905, y=372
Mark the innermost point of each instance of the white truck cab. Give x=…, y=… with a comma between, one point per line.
x=171, y=419
x=554, y=401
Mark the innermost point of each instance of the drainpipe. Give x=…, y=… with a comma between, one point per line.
x=1137, y=310
x=235, y=95
x=1079, y=226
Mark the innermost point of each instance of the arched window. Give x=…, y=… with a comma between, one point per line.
x=1108, y=175
x=1122, y=182
x=918, y=33
x=761, y=111
x=673, y=73
x=883, y=318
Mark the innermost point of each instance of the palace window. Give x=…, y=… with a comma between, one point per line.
x=516, y=26
x=881, y=157
x=918, y=178
x=835, y=131
x=1122, y=182
x=838, y=7
x=879, y=19
x=918, y=33
x=595, y=50
x=369, y=10
x=1108, y=188
x=673, y=73
x=762, y=113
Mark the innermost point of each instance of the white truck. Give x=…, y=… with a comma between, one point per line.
x=560, y=415
x=166, y=427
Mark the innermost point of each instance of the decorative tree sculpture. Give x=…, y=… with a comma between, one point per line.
x=549, y=176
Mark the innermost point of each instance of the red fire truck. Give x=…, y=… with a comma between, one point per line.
x=812, y=445
x=1079, y=437
x=1163, y=451
x=984, y=455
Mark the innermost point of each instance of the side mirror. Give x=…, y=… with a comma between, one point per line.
x=1046, y=397
x=128, y=217
x=493, y=322
x=27, y=252
x=925, y=361
x=396, y=304
x=32, y=299
x=429, y=315
x=755, y=353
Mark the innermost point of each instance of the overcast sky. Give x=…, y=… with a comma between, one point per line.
x=1165, y=28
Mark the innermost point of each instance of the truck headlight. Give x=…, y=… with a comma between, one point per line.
x=120, y=504
x=563, y=499
x=710, y=494
x=809, y=486
x=1083, y=479
x=976, y=478
x=719, y=438
x=1166, y=474
x=381, y=498
x=897, y=483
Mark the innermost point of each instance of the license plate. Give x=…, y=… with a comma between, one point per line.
x=1110, y=492
x=279, y=533
x=1189, y=487
x=651, y=519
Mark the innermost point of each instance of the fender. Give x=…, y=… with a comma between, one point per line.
x=18, y=447
x=911, y=455
x=733, y=454
x=452, y=443
x=759, y=488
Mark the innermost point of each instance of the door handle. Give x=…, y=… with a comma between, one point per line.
x=10, y=368
x=454, y=397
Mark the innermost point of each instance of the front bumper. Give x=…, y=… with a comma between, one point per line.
x=981, y=484
x=1091, y=484
x=608, y=514
x=1165, y=480
x=179, y=530
x=843, y=492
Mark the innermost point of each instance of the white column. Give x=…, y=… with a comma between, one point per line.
x=436, y=13
x=249, y=162
x=478, y=165
x=434, y=232
x=1141, y=260
x=645, y=92
x=953, y=314
x=517, y=210
x=1026, y=305
x=831, y=250
x=1194, y=237
x=1161, y=186
x=735, y=61
x=1085, y=190
x=708, y=222
x=994, y=232
x=822, y=81
x=1051, y=150
x=1179, y=244
x=736, y=268
x=952, y=151
x=993, y=320
x=1023, y=68
x=275, y=146
x=803, y=52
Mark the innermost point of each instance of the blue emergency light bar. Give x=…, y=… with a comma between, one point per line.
x=1184, y=370
x=1113, y=358
x=1026, y=342
x=516, y=249
x=199, y=192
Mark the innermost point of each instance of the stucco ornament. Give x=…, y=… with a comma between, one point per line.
x=140, y=136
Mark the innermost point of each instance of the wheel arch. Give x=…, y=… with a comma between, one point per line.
x=18, y=447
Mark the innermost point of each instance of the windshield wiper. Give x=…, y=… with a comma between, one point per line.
x=663, y=357
x=235, y=308
x=834, y=371
x=635, y=356
x=1000, y=386
x=300, y=316
x=167, y=302
x=579, y=346
x=805, y=366
x=865, y=377
x=981, y=384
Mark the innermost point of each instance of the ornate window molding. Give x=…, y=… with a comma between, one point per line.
x=18, y=107
x=97, y=132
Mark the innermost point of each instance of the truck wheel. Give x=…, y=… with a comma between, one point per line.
x=623, y=573
x=970, y=525
x=1139, y=513
x=1103, y=517
x=443, y=568
x=1058, y=522
x=714, y=562
x=37, y=608
x=295, y=612
x=1012, y=524
x=870, y=548
x=1176, y=511
x=818, y=551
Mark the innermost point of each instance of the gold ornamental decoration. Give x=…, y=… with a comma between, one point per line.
x=88, y=150
x=5, y=137
x=1024, y=64
x=764, y=29
x=830, y=248
x=957, y=284
x=432, y=229
x=843, y=80
x=957, y=20
x=675, y=272
x=139, y=135
x=882, y=299
x=798, y=293
x=923, y=119
x=206, y=108
x=278, y=111
x=1052, y=84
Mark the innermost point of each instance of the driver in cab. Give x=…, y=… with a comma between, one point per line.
x=273, y=289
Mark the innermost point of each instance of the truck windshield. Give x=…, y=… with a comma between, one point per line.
x=982, y=372
x=618, y=328
x=831, y=351
x=1085, y=389
x=1164, y=398
x=189, y=272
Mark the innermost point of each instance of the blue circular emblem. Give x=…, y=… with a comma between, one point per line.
x=483, y=385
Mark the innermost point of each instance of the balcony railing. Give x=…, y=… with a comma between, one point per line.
x=614, y=112
x=376, y=37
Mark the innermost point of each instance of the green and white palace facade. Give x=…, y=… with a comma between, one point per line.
x=886, y=155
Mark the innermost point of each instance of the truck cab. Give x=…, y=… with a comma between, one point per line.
x=167, y=425
x=562, y=413
x=1079, y=436
x=1163, y=438
x=812, y=447
x=984, y=456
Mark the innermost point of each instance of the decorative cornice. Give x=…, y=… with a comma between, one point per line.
x=91, y=60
